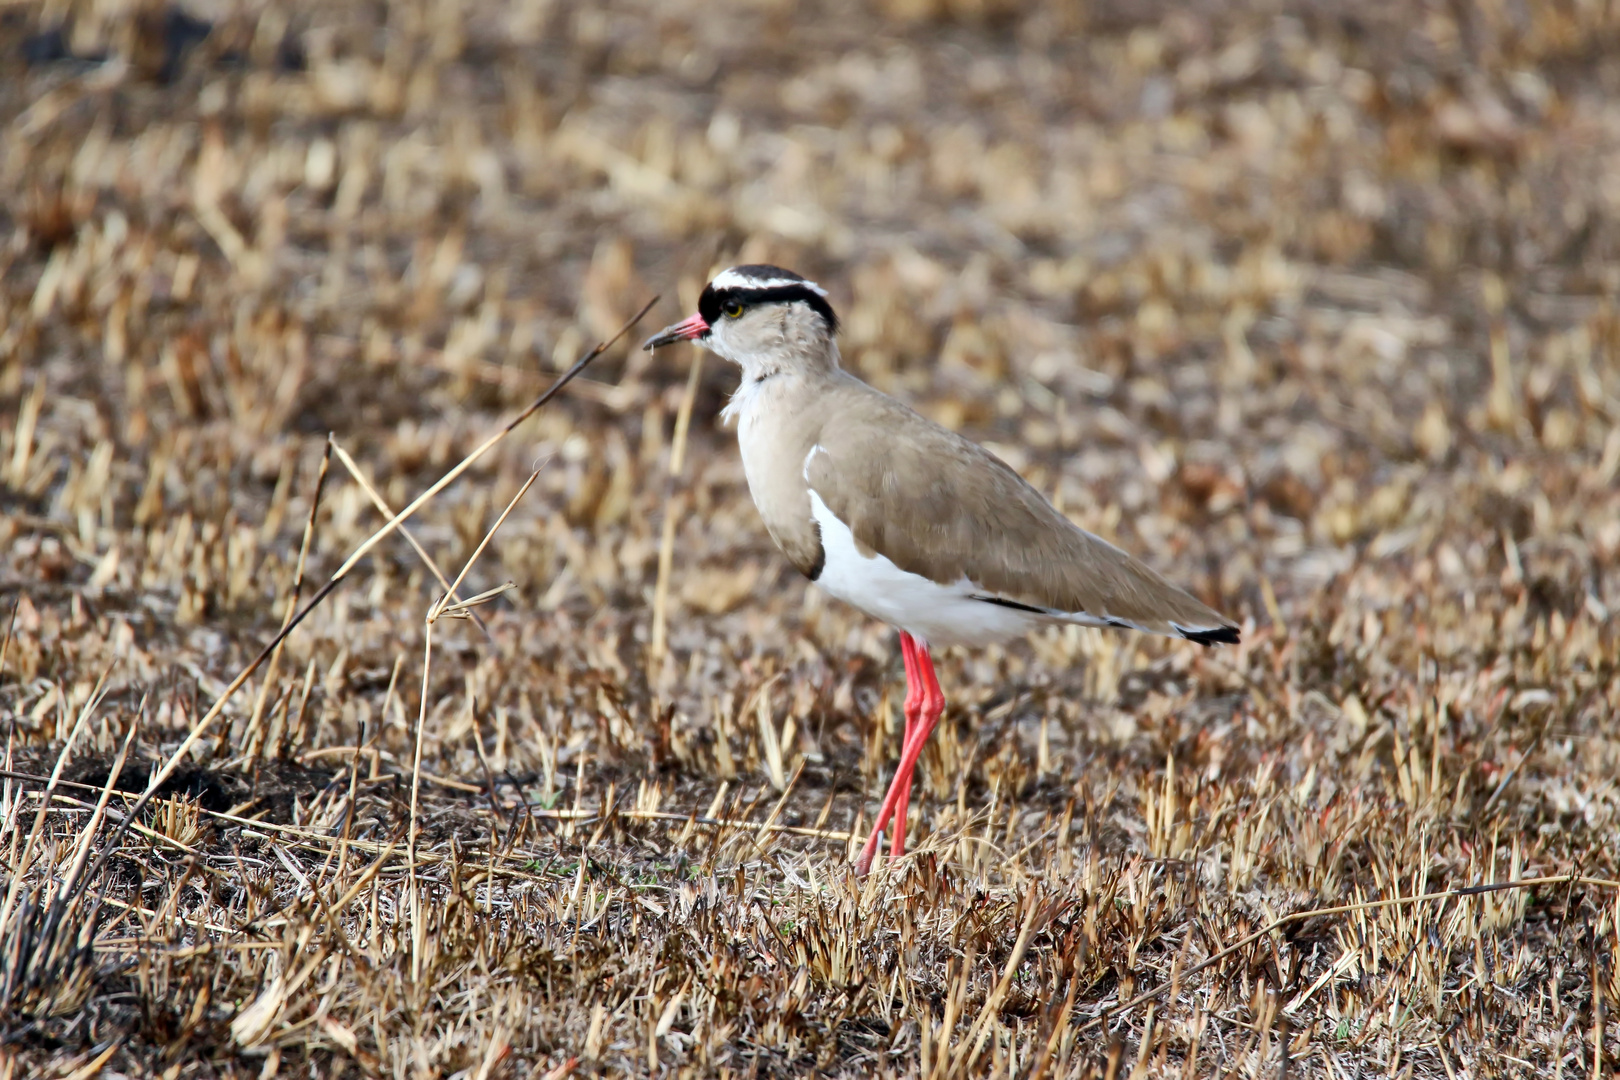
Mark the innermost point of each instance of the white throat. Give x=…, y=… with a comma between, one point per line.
x=764, y=371
x=741, y=407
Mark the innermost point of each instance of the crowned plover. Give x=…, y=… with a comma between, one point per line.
x=903, y=519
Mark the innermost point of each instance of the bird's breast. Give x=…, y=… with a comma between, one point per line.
x=772, y=457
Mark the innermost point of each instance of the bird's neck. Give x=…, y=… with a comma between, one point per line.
x=776, y=380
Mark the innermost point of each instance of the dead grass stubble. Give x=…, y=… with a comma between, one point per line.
x=1315, y=308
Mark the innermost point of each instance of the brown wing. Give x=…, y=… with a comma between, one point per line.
x=938, y=505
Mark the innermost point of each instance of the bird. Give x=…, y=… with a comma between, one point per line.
x=903, y=519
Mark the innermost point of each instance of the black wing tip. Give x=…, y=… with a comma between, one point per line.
x=1221, y=635
x=1002, y=601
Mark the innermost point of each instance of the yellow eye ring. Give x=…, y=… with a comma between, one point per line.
x=732, y=309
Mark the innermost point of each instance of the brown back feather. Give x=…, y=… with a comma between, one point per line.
x=938, y=505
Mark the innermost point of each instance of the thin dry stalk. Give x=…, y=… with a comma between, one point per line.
x=444, y=606
x=415, y=894
x=71, y=879
x=359, y=477
x=673, y=511
x=440, y=610
x=251, y=737
x=20, y=869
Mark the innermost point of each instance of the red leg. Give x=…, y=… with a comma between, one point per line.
x=933, y=704
x=912, y=709
x=909, y=651
x=925, y=702
x=915, y=688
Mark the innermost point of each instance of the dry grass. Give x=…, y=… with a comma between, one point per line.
x=1312, y=304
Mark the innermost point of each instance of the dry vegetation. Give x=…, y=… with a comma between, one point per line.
x=1313, y=304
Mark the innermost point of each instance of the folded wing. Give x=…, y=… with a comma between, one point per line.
x=938, y=505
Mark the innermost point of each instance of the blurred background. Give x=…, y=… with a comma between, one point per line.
x=1264, y=291
x=1257, y=287
x=1311, y=304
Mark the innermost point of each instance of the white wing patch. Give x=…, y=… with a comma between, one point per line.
x=808, y=458
x=941, y=614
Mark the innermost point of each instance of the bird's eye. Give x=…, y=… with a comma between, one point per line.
x=732, y=309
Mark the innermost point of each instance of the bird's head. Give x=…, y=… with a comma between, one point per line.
x=762, y=318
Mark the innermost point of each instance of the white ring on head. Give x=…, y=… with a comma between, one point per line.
x=730, y=279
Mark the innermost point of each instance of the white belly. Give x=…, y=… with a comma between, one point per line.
x=938, y=614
